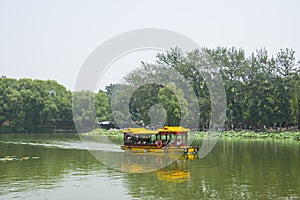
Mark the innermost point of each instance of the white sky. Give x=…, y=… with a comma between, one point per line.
x=52, y=39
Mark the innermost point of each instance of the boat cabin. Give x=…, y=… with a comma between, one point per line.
x=168, y=136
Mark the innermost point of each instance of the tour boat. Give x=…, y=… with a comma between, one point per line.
x=169, y=139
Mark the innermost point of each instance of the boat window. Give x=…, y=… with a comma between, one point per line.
x=128, y=138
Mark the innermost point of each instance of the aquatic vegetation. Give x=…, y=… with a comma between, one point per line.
x=290, y=135
x=14, y=158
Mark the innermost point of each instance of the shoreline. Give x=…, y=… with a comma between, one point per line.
x=243, y=134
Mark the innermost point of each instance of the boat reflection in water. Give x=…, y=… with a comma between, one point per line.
x=143, y=150
x=175, y=172
x=178, y=171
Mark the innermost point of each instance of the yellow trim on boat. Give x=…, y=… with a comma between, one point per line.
x=139, y=131
x=164, y=129
x=173, y=129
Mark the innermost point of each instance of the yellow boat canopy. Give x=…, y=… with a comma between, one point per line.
x=140, y=131
x=165, y=130
x=174, y=129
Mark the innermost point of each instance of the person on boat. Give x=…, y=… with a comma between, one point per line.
x=168, y=142
x=178, y=143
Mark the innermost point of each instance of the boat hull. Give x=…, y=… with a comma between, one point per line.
x=146, y=149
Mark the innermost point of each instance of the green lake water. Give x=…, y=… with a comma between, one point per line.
x=57, y=166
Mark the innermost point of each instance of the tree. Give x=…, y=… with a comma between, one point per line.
x=84, y=111
x=102, y=106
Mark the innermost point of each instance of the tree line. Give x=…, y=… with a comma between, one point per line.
x=262, y=91
x=28, y=105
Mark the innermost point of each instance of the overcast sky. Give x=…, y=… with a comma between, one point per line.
x=52, y=39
